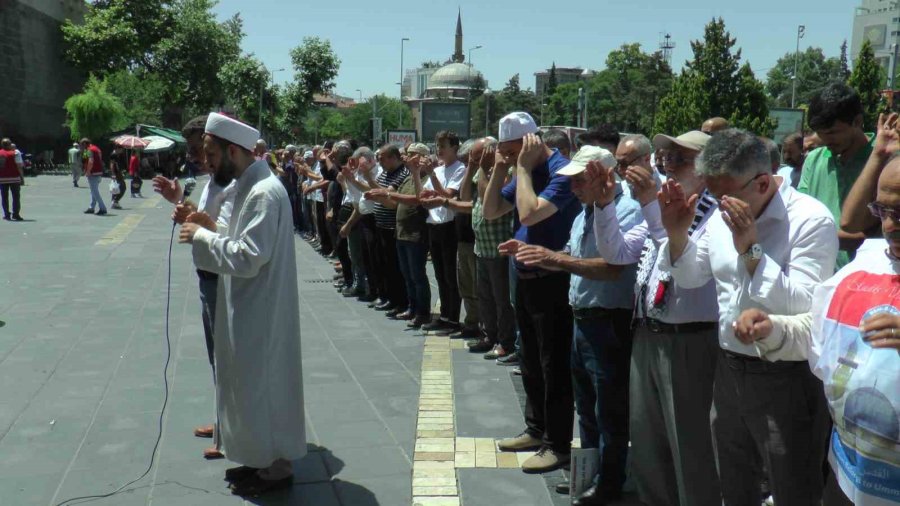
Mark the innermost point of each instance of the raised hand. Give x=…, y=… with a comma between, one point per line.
x=182, y=211
x=643, y=186
x=676, y=209
x=752, y=325
x=532, y=153
x=202, y=219
x=186, y=234
x=739, y=217
x=601, y=185
x=170, y=189
x=887, y=140
x=533, y=255
x=510, y=247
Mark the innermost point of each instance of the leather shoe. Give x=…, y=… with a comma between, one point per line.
x=595, y=497
x=562, y=488
x=406, y=315
x=384, y=306
x=394, y=312
x=418, y=322
x=481, y=346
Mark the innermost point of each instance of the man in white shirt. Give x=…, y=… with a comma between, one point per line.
x=75, y=163
x=673, y=360
x=444, y=181
x=767, y=248
x=363, y=245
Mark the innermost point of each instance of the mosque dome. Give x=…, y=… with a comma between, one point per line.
x=871, y=411
x=454, y=77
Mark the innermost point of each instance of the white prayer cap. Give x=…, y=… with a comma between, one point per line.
x=232, y=130
x=516, y=125
x=588, y=154
x=290, y=147
x=307, y=154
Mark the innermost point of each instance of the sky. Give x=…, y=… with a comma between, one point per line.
x=523, y=36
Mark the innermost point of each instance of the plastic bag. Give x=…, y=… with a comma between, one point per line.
x=113, y=187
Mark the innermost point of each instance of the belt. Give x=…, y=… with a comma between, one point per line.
x=534, y=274
x=207, y=275
x=658, y=327
x=585, y=313
x=756, y=365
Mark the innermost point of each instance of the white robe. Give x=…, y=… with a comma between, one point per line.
x=259, y=390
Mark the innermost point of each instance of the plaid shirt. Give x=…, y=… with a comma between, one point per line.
x=489, y=233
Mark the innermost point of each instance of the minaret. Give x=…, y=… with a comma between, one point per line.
x=458, y=56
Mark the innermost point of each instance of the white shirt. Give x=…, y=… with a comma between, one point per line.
x=365, y=206
x=790, y=175
x=73, y=155
x=19, y=160
x=799, y=243
x=317, y=195
x=450, y=177
x=217, y=202
x=683, y=305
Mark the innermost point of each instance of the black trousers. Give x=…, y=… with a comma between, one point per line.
x=389, y=268
x=341, y=216
x=15, y=189
x=443, y=256
x=121, y=182
x=545, y=325
x=322, y=229
x=370, y=252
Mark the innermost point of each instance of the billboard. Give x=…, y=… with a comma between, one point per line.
x=437, y=116
x=401, y=138
x=789, y=121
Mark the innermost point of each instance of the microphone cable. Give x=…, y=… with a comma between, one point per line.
x=165, y=381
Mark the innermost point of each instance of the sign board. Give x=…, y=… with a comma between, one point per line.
x=401, y=138
x=437, y=116
x=789, y=121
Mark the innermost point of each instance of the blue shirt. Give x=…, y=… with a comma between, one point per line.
x=587, y=293
x=553, y=232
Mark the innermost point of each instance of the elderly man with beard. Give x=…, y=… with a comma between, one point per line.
x=259, y=391
x=216, y=201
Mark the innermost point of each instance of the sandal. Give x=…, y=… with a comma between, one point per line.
x=205, y=430
x=213, y=453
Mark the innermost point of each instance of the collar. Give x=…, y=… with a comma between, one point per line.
x=777, y=206
x=862, y=154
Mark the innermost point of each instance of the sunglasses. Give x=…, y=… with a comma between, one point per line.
x=677, y=159
x=883, y=212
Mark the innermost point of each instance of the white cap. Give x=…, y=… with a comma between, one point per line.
x=418, y=148
x=290, y=147
x=588, y=154
x=694, y=140
x=516, y=125
x=307, y=154
x=232, y=130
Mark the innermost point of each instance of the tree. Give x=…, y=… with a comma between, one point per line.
x=431, y=64
x=867, y=79
x=844, y=72
x=814, y=71
x=315, y=67
x=141, y=94
x=242, y=80
x=551, y=81
x=94, y=112
x=714, y=84
x=513, y=98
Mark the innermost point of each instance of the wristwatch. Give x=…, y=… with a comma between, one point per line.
x=753, y=253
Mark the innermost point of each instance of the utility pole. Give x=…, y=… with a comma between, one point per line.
x=801, y=30
x=400, y=109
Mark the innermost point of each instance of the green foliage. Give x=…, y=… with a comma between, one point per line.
x=867, y=79
x=844, y=70
x=814, y=71
x=315, y=67
x=242, y=80
x=431, y=64
x=714, y=83
x=94, y=112
x=140, y=93
x=355, y=122
x=552, y=82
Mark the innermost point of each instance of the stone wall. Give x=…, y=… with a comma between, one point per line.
x=35, y=81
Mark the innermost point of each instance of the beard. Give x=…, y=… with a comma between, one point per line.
x=225, y=173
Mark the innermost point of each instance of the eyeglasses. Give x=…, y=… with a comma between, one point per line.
x=883, y=212
x=677, y=159
x=752, y=179
x=624, y=164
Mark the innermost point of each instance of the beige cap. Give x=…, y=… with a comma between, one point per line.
x=418, y=148
x=694, y=140
x=588, y=154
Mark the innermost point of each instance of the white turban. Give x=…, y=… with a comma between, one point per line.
x=232, y=130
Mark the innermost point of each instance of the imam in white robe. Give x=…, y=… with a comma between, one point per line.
x=259, y=390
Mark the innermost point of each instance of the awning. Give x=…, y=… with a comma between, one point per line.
x=168, y=133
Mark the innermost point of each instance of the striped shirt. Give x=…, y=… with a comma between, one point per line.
x=386, y=217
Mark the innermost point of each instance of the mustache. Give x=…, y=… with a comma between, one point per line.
x=893, y=236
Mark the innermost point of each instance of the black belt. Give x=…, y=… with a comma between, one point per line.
x=207, y=275
x=586, y=313
x=756, y=365
x=658, y=327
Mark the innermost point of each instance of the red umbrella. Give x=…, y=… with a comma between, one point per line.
x=131, y=142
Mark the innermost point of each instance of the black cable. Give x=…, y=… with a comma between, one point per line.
x=165, y=381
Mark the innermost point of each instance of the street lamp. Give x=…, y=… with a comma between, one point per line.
x=470, y=69
x=400, y=109
x=487, y=112
x=262, y=84
x=360, y=95
x=801, y=30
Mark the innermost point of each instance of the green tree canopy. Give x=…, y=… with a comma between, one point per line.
x=141, y=93
x=867, y=79
x=714, y=83
x=814, y=71
x=94, y=112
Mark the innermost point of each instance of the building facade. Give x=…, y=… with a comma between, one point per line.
x=36, y=80
x=879, y=22
x=563, y=76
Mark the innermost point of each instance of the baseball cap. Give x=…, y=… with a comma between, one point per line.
x=588, y=154
x=694, y=140
x=516, y=125
x=290, y=147
x=418, y=148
